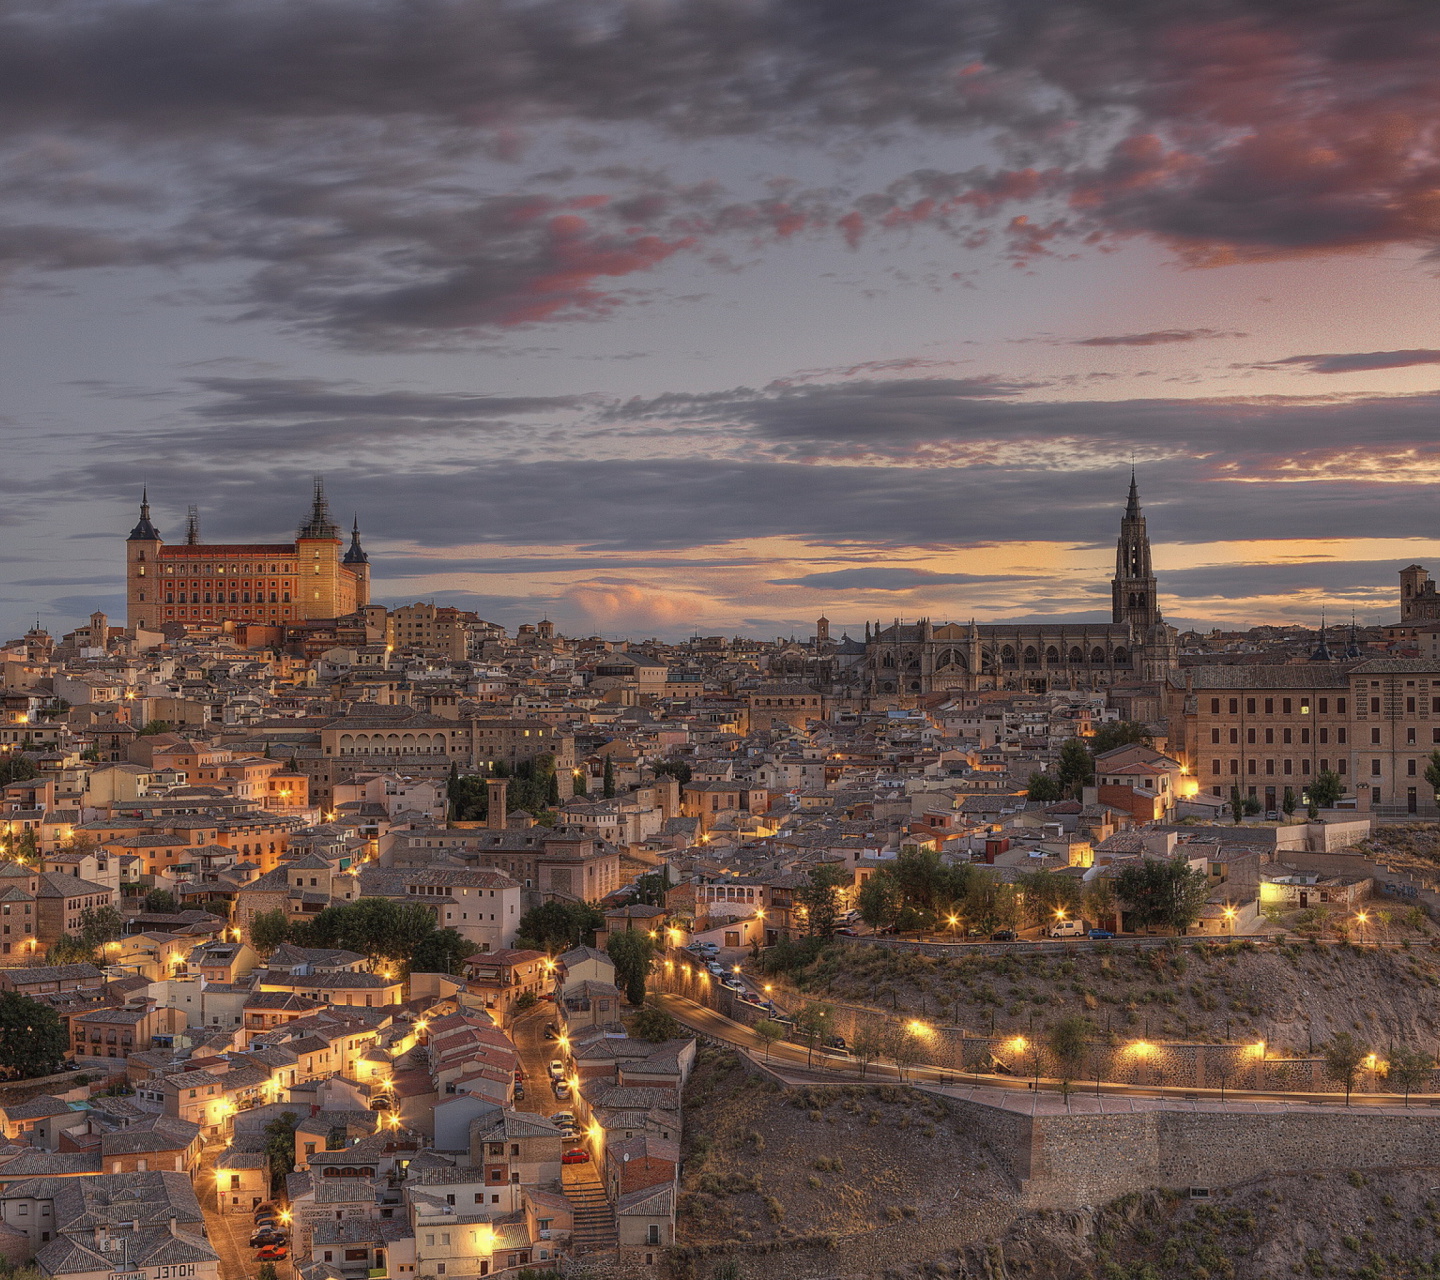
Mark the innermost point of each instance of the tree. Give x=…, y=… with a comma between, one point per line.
x=468, y=796
x=160, y=902
x=1328, y=787
x=67, y=949
x=266, y=1272
x=268, y=930
x=1432, y=772
x=677, y=769
x=32, y=1037
x=1162, y=893
x=655, y=1025
x=558, y=926
x=1044, y=789
x=991, y=905
x=1047, y=895
x=1237, y=805
x=867, y=1045
x=768, y=1031
x=821, y=898
x=904, y=1047
x=630, y=951
x=1288, y=803
x=1344, y=1056
x=1099, y=900
x=812, y=1026
x=577, y=783
x=651, y=888
x=879, y=900
x=17, y=767
x=1117, y=733
x=27, y=847
x=442, y=951
x=1067, y=1041
x=1075, y=769
x=280, y=1147
x=1409, y=1069
x=99, y=925
x=153, y=727
x=607, y=785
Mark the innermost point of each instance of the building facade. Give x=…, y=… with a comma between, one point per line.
x=1137, y=645
x=264, y=583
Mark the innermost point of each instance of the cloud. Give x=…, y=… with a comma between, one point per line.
x=885, y=579
x=1359, y=361
x=633, y=604
x=1156, y=338
x=322, y=146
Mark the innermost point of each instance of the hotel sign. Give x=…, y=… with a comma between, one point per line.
x=176, y=1271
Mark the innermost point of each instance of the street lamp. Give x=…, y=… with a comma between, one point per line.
x=1229, y=914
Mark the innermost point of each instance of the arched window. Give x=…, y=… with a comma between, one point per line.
x=1007, y=654
x=1097, y=654
x=1121, y=656
x=952, y=658
x=1052, y=654
x=1077, y=654
x=888, y=660
x=1031, y=657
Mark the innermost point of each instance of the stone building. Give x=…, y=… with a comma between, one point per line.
x=274, y=584
x=1136, y=645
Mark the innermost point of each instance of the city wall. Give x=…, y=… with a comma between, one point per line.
x=1069, y=1161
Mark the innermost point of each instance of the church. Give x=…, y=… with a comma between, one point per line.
x=1136, y=645
x=200, y=583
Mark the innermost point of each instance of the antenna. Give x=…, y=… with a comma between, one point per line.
x=192, y=525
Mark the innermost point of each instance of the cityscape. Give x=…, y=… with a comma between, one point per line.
x=719, y=640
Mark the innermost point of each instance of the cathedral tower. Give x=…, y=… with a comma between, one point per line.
x=1132, y=590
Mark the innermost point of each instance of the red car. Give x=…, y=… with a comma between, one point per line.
x=272, y=1253
x=577, y=1155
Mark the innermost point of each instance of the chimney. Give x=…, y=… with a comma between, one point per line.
x=495, y=814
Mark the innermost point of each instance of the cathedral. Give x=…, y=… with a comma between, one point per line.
x=1136, y=645
x=199, y=584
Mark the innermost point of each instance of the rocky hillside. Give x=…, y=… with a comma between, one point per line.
x=1292, y=997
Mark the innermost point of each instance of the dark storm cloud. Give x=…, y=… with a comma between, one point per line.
x=286, y=399
x=308, y=138
x=1360, y=361
x=1155, y=338
x=879, y=579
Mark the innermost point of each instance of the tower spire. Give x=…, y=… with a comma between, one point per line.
x=320, y=525
x=1133, y=589
x=192, y=526
x=356, y=554
x=144, y=531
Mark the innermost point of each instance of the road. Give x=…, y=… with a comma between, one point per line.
x=229, y=1232
x=536, y=1053
x=996, y=1088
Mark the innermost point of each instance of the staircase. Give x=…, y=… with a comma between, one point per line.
x=594, y=1218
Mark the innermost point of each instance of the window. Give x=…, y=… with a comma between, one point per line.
x=1250, y=736
x=1234, y=737
x=1215, y=706
x=1374, y=737
x=1285, y=735
x=1339, y=706
x=1285, y=706
x=1234, y=706
x=1214, y=735
x=1250, y=706
x=1269, y=737
x=1374, y=768
x=1374, y=705
x=1269, y=706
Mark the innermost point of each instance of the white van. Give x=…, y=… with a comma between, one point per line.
x=1068, y=929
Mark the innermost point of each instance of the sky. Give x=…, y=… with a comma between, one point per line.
x=673, y=316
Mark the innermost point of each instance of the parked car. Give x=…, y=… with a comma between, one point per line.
x=266, y=1235
x=732, y=983
x=269, y=1207
x=1003, y=935
x=576, y=1155
x=552, y=1032
x=1100, y=934
x=835, y=1042
x=562, y=1090
x=706, y=948
x=272, y=1253
x=847, y=933
x=563, y=1117
x=1067, y=929
x=519, y=1094
x=716, y=968
x=557, y=1069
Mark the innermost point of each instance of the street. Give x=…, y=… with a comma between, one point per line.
x=700, y=1018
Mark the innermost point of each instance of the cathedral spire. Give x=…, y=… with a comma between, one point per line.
x=144, y=531
x=1322, y=650
x=1133, y=589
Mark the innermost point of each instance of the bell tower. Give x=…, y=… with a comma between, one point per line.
x=1132, y=590
x=142, y=570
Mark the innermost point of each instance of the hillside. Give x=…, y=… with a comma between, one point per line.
x=1291, y=997
x=883, y=1183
